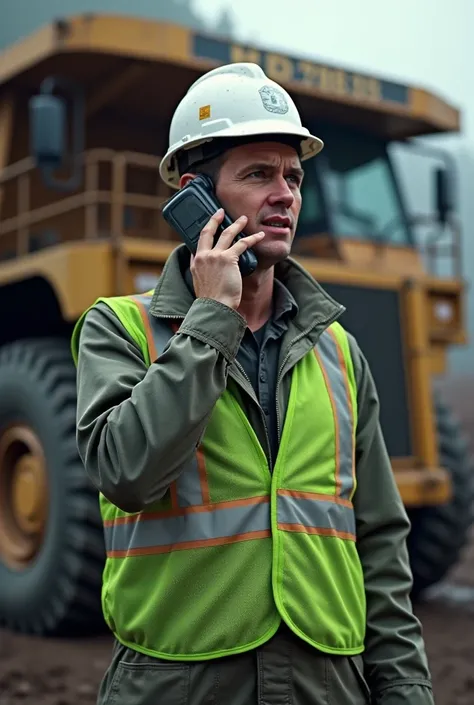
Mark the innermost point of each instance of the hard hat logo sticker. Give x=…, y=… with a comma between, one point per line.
x=205, y=112
x=273, y=100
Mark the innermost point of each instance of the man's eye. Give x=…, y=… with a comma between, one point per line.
x=294, y=178
x=258, y=174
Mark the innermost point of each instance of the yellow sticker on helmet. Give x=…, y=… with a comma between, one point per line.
x=205, y=112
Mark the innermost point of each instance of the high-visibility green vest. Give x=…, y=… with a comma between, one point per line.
x=233, y=548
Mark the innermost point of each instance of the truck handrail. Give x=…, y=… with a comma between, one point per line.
x=121, y=202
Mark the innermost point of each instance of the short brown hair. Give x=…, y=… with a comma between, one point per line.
x=211, y=168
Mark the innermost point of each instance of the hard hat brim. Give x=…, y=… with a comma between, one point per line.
x=310, y=145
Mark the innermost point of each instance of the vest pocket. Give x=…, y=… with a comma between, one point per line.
x=149, y=684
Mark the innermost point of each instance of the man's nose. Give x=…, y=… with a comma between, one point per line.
x=281, y=193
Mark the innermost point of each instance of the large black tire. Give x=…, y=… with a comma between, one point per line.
x=58, y=590
x=439, y=533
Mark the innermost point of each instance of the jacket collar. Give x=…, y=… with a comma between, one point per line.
x=172, y=297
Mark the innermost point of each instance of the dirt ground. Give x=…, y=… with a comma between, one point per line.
x=66, y=672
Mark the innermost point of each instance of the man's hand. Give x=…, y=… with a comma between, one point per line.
x=215, y=270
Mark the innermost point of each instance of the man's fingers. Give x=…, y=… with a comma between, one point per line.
x=206, y=238
x=246, y=242
x=227, y=237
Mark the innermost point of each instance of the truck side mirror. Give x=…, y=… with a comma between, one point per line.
x=48, y=132
x=444, y=194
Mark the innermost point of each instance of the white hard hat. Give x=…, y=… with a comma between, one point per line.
x=233, y=101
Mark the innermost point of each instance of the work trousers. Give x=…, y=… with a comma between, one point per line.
x=284, y=671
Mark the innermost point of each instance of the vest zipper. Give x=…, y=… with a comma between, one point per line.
x=326, y=322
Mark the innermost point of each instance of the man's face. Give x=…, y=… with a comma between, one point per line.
x=263, y=182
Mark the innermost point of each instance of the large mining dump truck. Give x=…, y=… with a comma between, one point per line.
x=85, y=107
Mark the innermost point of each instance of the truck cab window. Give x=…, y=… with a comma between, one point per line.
x=361, y=190
x=312, y=220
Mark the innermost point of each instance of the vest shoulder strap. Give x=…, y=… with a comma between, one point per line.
x=151, y=336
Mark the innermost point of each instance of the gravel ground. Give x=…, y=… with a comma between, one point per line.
x=37, y=671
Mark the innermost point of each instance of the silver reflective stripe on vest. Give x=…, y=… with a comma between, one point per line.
x=189, y=486
x=297, y=511
x=336, y=376
x=219, y=523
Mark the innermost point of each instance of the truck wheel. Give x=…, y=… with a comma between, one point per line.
x=439, y=533
x=51, y=540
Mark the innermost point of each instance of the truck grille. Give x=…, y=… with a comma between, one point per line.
x=373, y=317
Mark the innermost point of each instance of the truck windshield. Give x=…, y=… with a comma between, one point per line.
x=353, y=184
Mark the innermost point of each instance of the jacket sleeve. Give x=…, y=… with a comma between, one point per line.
x=395, y=661
x=138, y=425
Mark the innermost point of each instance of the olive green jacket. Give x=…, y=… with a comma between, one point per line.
x=137, y=426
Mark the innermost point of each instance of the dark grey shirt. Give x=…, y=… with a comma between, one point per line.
x=259, y=355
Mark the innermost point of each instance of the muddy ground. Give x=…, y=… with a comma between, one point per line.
x=66, y=672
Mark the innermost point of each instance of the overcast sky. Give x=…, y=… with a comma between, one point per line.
x=427, y=42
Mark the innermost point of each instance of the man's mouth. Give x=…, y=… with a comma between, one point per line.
x=277, y=221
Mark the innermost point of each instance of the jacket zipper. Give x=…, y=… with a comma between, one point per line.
x=253, y=396
x=176, y=317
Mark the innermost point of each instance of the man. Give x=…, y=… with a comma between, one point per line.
x=255, y=535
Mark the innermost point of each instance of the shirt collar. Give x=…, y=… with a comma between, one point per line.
x=283, y=300
x=284, y=303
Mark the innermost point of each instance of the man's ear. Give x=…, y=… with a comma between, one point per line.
x=185, y=179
